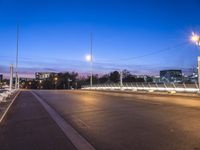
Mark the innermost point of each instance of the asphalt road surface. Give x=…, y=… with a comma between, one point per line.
x=111, y=121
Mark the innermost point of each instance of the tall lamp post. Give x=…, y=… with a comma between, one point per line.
x=17, y=49
x=89, y=58
x=196, y=39
x=11, y=77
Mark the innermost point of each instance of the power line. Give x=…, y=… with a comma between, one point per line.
x=148, y=54
x=109, y=60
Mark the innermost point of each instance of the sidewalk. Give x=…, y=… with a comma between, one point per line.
x=4, y=105
x=29, y=127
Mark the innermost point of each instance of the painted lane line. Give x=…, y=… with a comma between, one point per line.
x=7, y=109
x=77, y=140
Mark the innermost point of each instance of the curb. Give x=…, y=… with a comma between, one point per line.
x=7, y=109
x=195, y=95
x=76, y=138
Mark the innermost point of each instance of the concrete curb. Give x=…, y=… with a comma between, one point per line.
x=195, y=95
x=9, y=106
x=76, y=139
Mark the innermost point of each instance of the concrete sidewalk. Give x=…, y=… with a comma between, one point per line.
x=29, y=127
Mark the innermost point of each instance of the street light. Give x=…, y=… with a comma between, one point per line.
x=196, y=39
x=89, y=59
x=40, y=82
x=56, y=79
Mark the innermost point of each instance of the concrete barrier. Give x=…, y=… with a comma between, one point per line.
x=1, y=98
x=187, y=88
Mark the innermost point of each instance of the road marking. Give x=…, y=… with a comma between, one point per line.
x=7, y=109
x=78, y=141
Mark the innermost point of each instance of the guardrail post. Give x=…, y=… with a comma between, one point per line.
x=156, y=85
x=184, y=85
x=143, y=85
x=165, y=86
x=137, y=86
x=174, y=86
x=196, y=85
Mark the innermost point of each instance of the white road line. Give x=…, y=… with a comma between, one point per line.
x=78, y=141
x=4, y=114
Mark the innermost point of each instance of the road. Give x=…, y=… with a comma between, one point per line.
x=112, y=121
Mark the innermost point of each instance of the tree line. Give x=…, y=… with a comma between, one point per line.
x=72, y=80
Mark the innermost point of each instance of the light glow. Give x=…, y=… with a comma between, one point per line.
x=88, y=57
x=195, y=38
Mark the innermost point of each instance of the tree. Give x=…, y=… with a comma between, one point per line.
x=114, y=76
x=128, y=77
x=95, y=79
x=149, y=79
x=139, y=79
x=104, y=78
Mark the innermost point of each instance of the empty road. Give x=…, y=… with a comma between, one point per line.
x=107, y=120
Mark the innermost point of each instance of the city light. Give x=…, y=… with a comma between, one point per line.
x=195, y=38
x=88, y=57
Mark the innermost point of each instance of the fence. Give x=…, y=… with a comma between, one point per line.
x=169, y=87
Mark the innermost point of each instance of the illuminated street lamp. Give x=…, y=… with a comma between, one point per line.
x=55, y=79
x=196, y=39
x=40, y=82
x=89, y=58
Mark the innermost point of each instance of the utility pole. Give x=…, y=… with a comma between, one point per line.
x=196, y=39
x=199, y=72
x=91, y=61
x=16, y=69
x=121, y=78
x=11, y=77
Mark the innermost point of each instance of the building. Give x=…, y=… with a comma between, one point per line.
x=156, y=79
x=43, y=75
x=193, y=78
x=1, y=77
x=170, y=76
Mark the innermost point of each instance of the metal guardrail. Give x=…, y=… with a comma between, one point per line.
x=169, y=87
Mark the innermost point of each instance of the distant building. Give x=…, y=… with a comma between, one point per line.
x=26, y=79
x=43, y=75
x=156, y=79
x=191, y=78
x=1, y=77
x=144, y=78
x=169, y=76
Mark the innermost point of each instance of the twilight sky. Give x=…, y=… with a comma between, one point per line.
x=142, y=36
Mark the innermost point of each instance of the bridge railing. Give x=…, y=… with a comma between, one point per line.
x=169, y=87
x=4, y=94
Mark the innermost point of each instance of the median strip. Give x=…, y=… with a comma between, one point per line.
x=77, y=140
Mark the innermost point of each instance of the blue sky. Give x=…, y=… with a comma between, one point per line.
x=54, y=34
